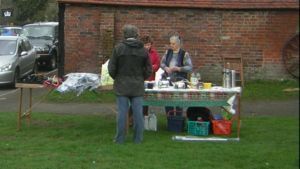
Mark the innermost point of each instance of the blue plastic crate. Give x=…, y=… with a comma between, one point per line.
x=176, y=123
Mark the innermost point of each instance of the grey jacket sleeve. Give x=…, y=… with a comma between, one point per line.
x=187, y=63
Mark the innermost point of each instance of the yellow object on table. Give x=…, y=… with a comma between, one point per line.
x=206, y=85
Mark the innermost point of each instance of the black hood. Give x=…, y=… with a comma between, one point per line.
x=133, y=43
x=40, y=42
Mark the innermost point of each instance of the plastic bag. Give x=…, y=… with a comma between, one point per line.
x=79, y=82
x=105, y=77
x=158, y=75
x=232, y=105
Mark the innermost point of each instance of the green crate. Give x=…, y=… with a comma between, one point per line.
x=197, y=128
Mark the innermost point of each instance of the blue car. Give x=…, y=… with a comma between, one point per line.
x=10, y=31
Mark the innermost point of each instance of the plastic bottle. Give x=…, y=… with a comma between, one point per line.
x=198, y=76
x=232, y=78
x=152, y=121
x=146, y=122
x=227, y=76
x=193, y=80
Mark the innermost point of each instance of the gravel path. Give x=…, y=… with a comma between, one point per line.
x=9, y=103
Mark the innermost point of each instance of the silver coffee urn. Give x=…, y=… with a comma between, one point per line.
x=228, y=78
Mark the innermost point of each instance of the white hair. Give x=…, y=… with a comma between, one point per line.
x=176, y=39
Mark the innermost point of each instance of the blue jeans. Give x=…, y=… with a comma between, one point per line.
x=123, y=104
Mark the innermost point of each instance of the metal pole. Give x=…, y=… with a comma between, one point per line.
x=239, y=115
x=61, y=37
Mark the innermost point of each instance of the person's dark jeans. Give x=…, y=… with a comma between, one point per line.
x=145, y=112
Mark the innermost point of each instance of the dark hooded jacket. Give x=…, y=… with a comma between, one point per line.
x=129, y=66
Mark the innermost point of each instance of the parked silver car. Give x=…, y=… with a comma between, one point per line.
x=17, y=59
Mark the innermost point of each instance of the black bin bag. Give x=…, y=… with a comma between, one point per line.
x=193, y=113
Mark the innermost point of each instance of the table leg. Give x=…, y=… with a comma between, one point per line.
x=28, y=116
x=239, y=115
x=20, y=108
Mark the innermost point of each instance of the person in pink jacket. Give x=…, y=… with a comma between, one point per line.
x=154, y=57
x=155, y=61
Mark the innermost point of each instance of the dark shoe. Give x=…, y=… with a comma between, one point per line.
x=118, y=142
x=137, y=142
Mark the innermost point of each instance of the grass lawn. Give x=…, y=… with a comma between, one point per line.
x=270, y=90
x=63, y=141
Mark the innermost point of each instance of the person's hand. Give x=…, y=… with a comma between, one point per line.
x=168, y=70
x=175, y=69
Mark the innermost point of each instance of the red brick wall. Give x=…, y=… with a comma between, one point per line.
x=81, y=39
x=208, y=35
x=216, y=4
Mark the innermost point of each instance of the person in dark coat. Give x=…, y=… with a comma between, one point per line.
x=129, y=66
